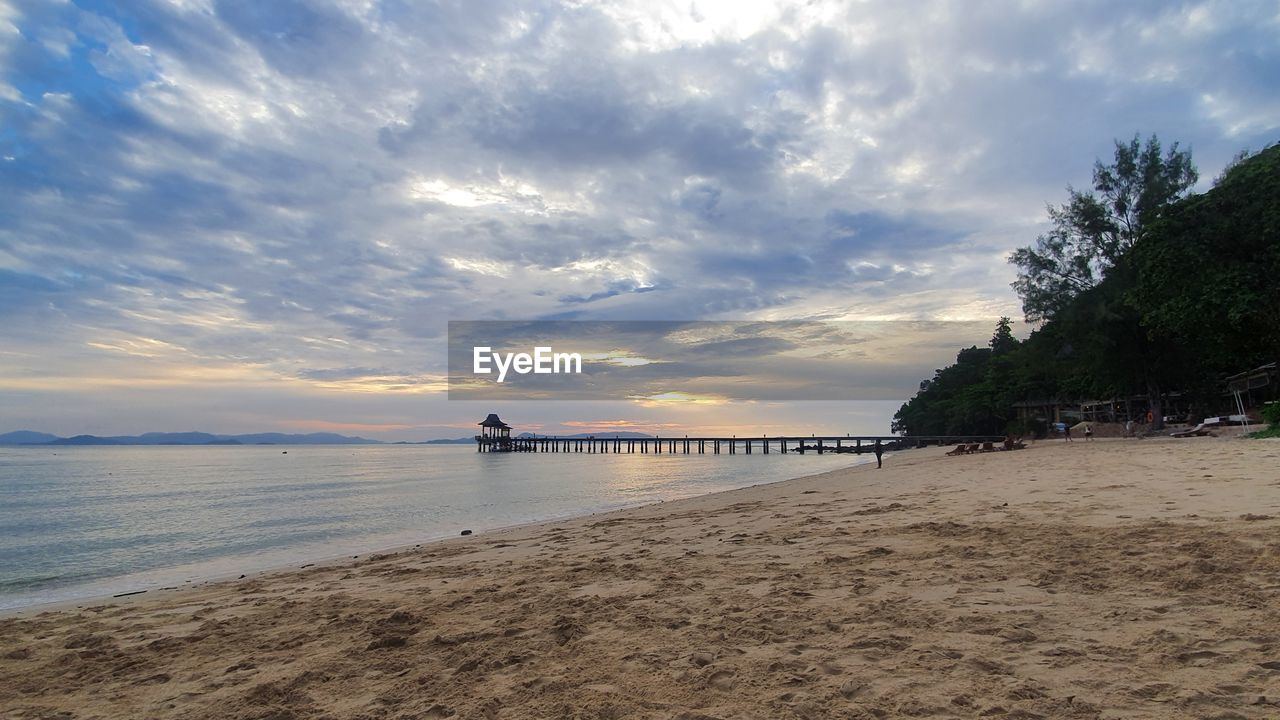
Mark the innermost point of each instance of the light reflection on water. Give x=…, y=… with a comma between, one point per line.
x=87, y=521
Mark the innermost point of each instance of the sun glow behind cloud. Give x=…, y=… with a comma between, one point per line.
x=678, y=397
x=621, y=358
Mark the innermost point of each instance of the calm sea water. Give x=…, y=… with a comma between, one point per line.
x=81, y=522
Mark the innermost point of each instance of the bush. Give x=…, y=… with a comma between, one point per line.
x=1271, y=413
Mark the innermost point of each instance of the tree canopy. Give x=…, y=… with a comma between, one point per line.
x=1093, y=230
x=1209, y=274
x=1139, y=288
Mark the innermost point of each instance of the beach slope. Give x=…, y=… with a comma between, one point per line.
x=1136, y=579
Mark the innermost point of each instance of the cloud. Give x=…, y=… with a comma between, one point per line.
x=295, y=187
x=706, y=361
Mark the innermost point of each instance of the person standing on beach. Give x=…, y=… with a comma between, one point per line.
x=1066, y=432
x=879, y=452
x=1088, y=432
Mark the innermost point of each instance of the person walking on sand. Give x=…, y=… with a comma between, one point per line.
x=1066, y=432
x=879, y=452
x=1088, y=432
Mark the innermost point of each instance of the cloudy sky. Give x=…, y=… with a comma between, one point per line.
x=234, y=215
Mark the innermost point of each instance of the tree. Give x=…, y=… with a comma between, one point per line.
x=1093, y=230
x=1209, y=270
x=1113, y=353
x=1231, y=165
x=1003, y=342
x=974, y=396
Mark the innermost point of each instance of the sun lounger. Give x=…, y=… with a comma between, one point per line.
x=971, y=448
x=988, y=447
x=1197, y=431
x=960, y=449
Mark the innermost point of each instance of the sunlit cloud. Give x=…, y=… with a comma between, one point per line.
x=139, y=347
x=480, y=267
x=620, y=358
x=384, y=384
x=677, y=397
x=620, y=425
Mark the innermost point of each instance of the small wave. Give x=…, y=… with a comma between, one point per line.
x=31, y=583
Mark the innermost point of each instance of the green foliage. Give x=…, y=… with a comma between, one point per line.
x=969, y=397
x=1142, y=291
x=1003, y=342
x=1271, y=432
x=1231, y=165
x=1210, y=272
x=1093, y=230
x=1271, y=413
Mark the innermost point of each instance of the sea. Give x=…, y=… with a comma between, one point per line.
x=82, y=523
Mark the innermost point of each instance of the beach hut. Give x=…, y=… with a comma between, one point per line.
x=495, y=435
x=1250, y=390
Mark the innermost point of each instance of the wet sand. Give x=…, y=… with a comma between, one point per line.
x=1136, y=579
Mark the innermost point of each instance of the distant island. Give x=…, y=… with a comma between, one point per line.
x=29, y=437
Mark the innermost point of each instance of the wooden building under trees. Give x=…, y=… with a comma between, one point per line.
x=1250, y=390
x=1048, y=411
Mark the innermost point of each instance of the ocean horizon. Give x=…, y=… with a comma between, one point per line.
x=96, y=521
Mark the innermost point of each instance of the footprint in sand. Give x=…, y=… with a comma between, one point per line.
x=389, y=641
x=1153, y=691
x=1198, y=657
x=851, y=689
x=1018, y=635
x=437, y=711
x=702, y=659
x=722, y=679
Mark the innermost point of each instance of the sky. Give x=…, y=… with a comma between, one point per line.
x=239, y=216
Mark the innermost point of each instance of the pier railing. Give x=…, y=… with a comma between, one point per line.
x=726, y=445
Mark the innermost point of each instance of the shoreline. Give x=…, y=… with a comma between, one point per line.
x=1113, y=578
x=338, y=559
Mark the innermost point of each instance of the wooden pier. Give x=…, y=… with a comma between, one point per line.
x=495, y=436
x=727, y=445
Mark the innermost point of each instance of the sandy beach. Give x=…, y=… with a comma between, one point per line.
x=1134, y=579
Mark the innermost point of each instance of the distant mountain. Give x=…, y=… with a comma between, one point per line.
x=191, y=438
x=86, y=440
x=159, y=438
x=440, y=441
x=26, y=437
x=309, y=439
